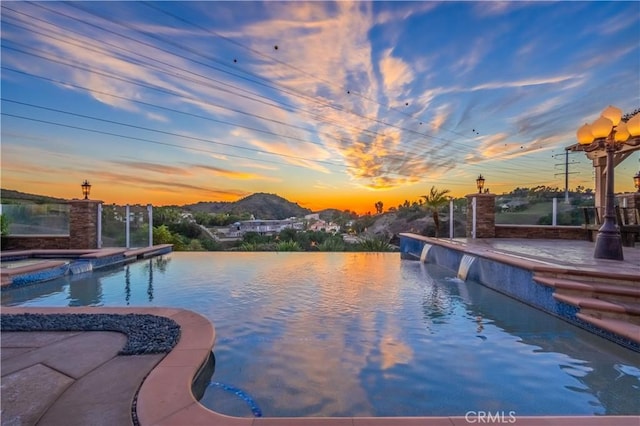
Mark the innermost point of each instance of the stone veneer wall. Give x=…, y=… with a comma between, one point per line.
x=485, y=215
x=83, y=231
x=632, y=201
x=83, y=224
x=35, y=242
x=541, y=232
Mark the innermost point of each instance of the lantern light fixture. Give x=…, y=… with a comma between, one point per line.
x=480, y=183
x=86, y=189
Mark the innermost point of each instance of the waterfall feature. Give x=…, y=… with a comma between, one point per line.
x=80, y=267
x=425, y=251
x=465, y=265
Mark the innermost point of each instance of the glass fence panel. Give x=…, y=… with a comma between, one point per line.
x=36, y=219
x=114, y=226
x=540, y=213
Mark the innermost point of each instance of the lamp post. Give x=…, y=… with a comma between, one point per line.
x=609, y=133
x=480, y=183
x=86, y=189
x=636, y=181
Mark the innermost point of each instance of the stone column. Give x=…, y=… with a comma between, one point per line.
x=83, y=224
x=632, y=202
x=485, y=215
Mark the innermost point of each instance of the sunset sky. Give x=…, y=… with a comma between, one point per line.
x=326, y=104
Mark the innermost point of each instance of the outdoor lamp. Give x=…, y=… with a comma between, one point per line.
x=633, y=125
x=86, y=189
x=480, y=183
x=609, y=133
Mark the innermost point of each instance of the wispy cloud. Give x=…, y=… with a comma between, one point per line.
x=153, y=167
x=396, y=74
x=160, y=184
x=233, y=174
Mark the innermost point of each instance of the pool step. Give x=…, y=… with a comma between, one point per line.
x=594, y=289
x=603, y=309
x=609, y=302
x=621, y=328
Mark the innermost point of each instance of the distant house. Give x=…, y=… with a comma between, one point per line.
x=513, y=205
x=321, y=225
x=264, y=226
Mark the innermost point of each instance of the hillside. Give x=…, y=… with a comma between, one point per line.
x=9, y=196
x=260, y=205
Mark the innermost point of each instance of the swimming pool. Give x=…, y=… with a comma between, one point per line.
x=364, y=334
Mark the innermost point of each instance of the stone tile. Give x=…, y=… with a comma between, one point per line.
x=307, y=421
x=197, y=415
x=197, y=336
x=26, y=394
x=104, y=396
x=33, y=339
x=8, y=353
x=403, y=421
x=185, y=317
x=164, y=392
x=562, y=421
x=186, y=357
x=74, y=356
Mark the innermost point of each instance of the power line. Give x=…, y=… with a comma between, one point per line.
x=283, y=123
x=277, y=86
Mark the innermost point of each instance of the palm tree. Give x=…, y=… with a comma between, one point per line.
x=433, y=202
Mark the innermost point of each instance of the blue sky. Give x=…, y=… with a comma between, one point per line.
x=329, y=104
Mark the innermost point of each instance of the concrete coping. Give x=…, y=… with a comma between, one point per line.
x=521, y=261
x=43, y=263
x=166, y=397
x=34, y=267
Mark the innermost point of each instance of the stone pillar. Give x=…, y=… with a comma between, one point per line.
x=83, y=224
x=632, y=201
x=485, y=215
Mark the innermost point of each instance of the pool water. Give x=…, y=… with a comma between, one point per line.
x=364, y=334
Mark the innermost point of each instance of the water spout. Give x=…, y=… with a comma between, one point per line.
x=465, y=265
x=425, y=251
x=80, y=267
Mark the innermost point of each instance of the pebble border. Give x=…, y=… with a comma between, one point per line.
x=146, y=334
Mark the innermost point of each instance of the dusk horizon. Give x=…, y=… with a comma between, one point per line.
x=326, y=104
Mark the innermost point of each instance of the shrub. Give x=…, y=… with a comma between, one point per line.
x=288, y=246
x=332, y=244
x=374, y=244
x=195, y=245
x=253, y=237
x=210, y=245
x=4, y=225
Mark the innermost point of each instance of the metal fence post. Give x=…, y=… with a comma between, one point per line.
x=451, y=218
x=150, y=212
x=473, y=208
x=99, y=226
x=127, y=231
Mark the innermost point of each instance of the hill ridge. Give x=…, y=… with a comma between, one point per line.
x=261, y=205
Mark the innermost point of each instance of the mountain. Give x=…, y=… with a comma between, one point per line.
x=260, y=205
x=9, y=196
